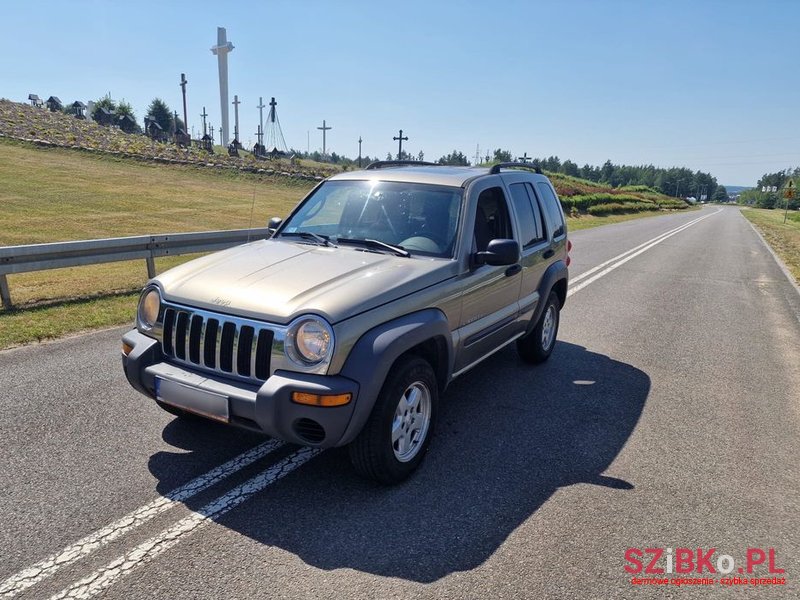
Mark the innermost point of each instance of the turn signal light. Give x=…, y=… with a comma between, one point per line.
x=321, y=399
x=126, y=348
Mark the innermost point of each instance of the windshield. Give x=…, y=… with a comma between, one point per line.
x=420, y=218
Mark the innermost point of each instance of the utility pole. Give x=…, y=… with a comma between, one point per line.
x=324, y=129
x=183, y=83
x=359, y=152
x=400, y=139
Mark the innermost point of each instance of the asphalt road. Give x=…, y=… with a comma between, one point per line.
x=667, y=417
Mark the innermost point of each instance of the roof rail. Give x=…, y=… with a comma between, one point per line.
x=505, y=165
x=381, y=164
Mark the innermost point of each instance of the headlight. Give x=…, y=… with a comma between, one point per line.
x=310, y=341
x=149, y=306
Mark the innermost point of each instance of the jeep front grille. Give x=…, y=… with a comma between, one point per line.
x=223, y=344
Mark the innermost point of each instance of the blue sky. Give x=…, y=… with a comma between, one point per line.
x=707, y=85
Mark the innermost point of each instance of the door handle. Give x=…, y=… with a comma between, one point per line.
x=513, y=270
x=549, y=253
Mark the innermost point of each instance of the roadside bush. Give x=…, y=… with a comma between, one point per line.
x=617, y=208
x=584, y=202
x=638, y=188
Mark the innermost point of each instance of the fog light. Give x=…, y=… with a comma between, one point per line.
x=126, y=348
x=321, y=399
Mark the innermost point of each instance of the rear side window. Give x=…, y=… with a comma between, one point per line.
x=552, y=208
x=530, y=222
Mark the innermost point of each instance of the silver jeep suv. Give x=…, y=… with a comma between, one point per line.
x=346, y=325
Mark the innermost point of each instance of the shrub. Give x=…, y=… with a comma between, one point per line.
x=615, y=208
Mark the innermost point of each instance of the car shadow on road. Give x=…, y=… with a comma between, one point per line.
x=508, y=437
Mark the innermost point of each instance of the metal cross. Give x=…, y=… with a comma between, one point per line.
x=204, y=115
x=400, y=141
x=524, y=158
x=183, y=83
x=236, y=104
x=260, y=108
x=324, y=129
x=359, y=152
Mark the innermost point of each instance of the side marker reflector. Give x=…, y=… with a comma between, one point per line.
x=320, y=399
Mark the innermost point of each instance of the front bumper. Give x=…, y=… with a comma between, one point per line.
x=268, y=409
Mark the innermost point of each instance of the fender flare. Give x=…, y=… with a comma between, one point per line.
x=377, y=350
x=556, y=272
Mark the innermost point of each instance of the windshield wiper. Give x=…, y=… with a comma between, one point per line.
x=398, y=250
x=310, y=235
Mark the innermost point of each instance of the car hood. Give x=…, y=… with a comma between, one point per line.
x=277, y=280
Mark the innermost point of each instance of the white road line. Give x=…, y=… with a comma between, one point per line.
x=636, y=252
x=146, y=551
x=94, y=541
x=585, y=274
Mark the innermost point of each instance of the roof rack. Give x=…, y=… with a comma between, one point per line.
x=505, y=165
x=381, y=164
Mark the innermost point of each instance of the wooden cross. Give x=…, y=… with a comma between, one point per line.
x=204, y=115
x=400, y=139
x=272, y=105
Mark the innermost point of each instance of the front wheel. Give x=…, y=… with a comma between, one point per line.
x=397, y=434
x=537, y=346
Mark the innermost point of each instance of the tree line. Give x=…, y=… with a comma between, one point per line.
x=763, y=196
x=674, y=181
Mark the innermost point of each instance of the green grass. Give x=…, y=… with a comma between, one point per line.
x=50, y=195
x=783, y=238
x=71, y=316
x=57, y=195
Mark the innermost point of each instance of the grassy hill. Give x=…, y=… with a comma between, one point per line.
x=42, y=127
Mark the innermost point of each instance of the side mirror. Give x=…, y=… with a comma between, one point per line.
x=273, y=224
x=499, y=253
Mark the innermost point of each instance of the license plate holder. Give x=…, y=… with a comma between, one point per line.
x=196, y=400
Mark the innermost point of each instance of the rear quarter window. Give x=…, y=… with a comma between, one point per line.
x=551, y=206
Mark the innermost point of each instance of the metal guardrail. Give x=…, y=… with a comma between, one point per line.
x=39, y=257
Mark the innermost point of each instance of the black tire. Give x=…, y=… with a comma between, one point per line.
x=373, y=453
x=533, y=348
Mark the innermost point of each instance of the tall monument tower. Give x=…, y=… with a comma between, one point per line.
x=221, y=51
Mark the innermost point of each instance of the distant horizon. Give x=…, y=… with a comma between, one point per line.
x=634, y=84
